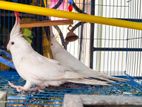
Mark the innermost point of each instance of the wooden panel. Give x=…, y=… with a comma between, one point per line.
x=46, y=23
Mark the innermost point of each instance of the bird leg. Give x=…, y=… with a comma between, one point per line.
x=18, y=88
x=38, y=88
x=26, y=87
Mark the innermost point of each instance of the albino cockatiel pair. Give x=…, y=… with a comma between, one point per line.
x=41, y=71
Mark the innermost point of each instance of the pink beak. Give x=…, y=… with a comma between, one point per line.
x=8, y=46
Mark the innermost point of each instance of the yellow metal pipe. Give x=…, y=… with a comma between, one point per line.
x=70, y=15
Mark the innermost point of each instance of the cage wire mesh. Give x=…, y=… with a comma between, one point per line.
x=134, y=59
x=117, y=56
x=110, y=62
x=53, y=96
x=114, y=50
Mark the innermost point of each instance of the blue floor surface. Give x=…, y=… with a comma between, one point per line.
x=53, y=96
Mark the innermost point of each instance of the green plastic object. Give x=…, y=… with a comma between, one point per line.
x=27, y=33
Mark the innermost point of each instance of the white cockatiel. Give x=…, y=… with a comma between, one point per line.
x=39, y=70
x=65, y=58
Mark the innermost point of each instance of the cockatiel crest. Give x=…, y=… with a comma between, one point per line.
x=16, y=39
x=16, y=28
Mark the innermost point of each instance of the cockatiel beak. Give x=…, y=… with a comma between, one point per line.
x=8, y=46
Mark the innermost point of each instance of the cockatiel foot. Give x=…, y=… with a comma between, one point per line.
x=38, y=88
x=18, y=88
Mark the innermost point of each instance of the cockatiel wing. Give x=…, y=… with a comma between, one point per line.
x=46, y=69
x=62, y=73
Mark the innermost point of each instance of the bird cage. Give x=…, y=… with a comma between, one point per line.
x=112, y=50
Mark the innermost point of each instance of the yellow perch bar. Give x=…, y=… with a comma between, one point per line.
x=69, y=15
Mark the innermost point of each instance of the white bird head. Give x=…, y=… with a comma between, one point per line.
x=17, y=42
